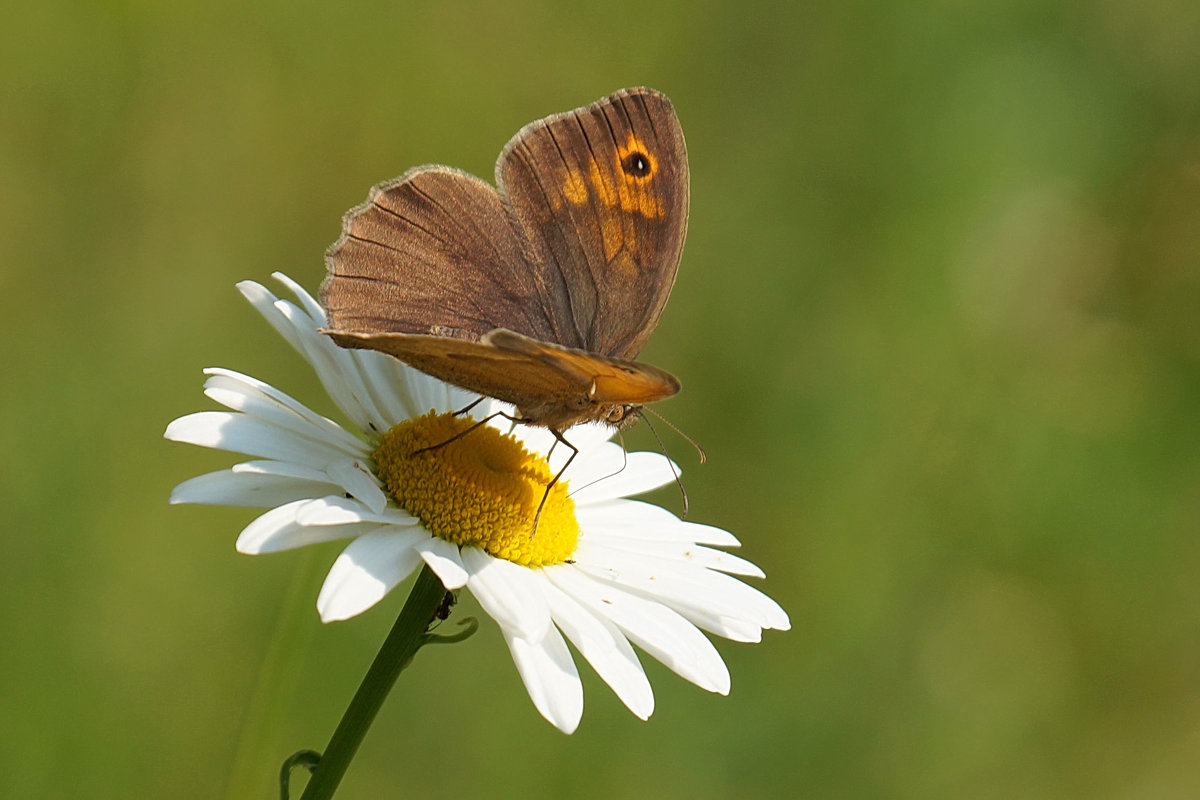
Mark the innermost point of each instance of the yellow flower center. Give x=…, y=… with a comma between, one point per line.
x=482, y=488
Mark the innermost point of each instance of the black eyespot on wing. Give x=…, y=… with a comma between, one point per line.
x=636, y=164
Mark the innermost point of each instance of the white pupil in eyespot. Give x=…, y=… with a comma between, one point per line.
x=636, y=164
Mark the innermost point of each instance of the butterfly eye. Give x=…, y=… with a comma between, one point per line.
x=636, y=164
x=615, y=414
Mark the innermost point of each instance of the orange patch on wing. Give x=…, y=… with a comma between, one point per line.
x=574, y=189
x=612, y=234
x=632, y=194
x=623, y=265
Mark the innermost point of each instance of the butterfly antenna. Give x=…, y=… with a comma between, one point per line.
x=662, y=449
x=668, y=423
x=624, y=451
x=624, y=464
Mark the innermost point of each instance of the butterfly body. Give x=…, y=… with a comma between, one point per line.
x=539, y=291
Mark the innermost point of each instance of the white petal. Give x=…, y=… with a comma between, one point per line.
x=388, y=382
x=683, y=552
x=264, y=303
x=605, y=648
x=708, y=534
x=658, y=630
x=601, y=462
x=239, y=433
x=282, y=469
x=430, y=394
x=243, y=393
x=367, y=570
x=311, y=307
x=639, y=520
x=508, y=593
x=721, y=561
x=336, y=510
x=229, y=487
x=598, y=458
x=731, y=628
x=590, y=435
x=278, y=530
x=587, y=438
x=337, y=370
x=600, y=479
x=550, y=678
x=680, y=586
x=630, y=518
x=444, y=559
x=358, y=480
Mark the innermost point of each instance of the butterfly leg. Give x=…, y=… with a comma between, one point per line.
x=466, y=409
x=463, y=433
x=558, y=437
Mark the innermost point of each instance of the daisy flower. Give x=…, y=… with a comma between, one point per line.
x=601, y=571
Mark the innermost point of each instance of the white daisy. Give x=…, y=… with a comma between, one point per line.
x=603, y=571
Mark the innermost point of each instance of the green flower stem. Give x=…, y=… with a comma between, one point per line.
x=406, y=637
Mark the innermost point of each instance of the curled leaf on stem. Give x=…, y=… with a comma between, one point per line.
x=301, y=758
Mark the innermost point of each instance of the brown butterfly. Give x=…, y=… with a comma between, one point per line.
x=540, y=291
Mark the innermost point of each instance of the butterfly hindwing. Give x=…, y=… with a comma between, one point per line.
x=434, y=251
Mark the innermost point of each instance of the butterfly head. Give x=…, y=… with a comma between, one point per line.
x=584, y=409
x=621, y=416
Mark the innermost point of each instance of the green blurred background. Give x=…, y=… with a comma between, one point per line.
x=938, y=321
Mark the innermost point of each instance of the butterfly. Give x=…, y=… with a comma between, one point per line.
x=541, y=290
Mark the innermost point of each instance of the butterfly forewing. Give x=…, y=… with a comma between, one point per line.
x=602, y=193
x=512, y=376
x=605, y=380
x=550, y=385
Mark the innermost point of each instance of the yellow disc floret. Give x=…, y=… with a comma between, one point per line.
x=482, y=488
